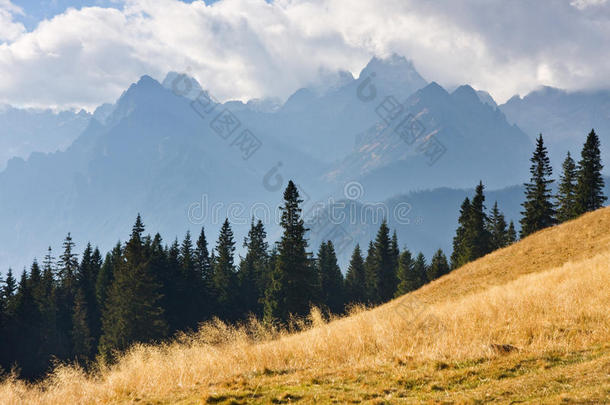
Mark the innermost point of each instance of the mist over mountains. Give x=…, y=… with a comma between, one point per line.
x=173, y=153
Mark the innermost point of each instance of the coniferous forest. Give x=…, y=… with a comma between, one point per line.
x=86, y=306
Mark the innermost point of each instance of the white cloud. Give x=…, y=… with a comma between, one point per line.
x=583, y=4
x=250, y=48
x=9, y=30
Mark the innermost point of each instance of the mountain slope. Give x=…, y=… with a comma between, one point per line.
x=564, y=119
x=23, y=131
x=458, y=125
x=528, y=323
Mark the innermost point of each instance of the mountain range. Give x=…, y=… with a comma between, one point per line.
x=173, y=153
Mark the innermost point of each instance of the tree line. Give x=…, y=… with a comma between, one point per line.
x=580, y=190
x=93, y=307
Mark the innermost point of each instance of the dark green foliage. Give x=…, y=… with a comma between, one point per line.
x=252, y=270
x=293, y=280
x=191, y=288
x=371, y=275
x=82, y=341
x=590, y=186
x=566, y=195
x=355, y=279
x=460, y=255
x=473, y=238
x=538, y=210
x=331, y=279
x=420, y=269
x=438, y=266
x=478, y=236
x=497, y=229
x=408, y=280
x=133, y=312
x=106, y=275
x=224, y=278
x=86, y=297
x=384, y=265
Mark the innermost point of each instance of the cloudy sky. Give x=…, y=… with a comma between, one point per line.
x=68, y=53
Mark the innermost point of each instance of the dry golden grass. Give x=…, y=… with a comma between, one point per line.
x=530, y=323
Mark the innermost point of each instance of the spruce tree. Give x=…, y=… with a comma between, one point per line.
x=10, y=286
x=408, y=280
x=384, y=263
x=497, y=229
x=203, y=264
x=538, y=210
x=590, y=185
x=26, y=335
x=566, y=194
x=293, y=280
x=86, y=279
x=132, y=313
x=331, y=279
x=355, y=279
x=67, y=268
x=372, y=279
x=478, y=237
x=106, y=276
x=438, y=266
x=460, y=255
x=82, y=341
x=252, y=270
x=420, y=268
x=395, y=250
x=192, y=290
x=225, y=278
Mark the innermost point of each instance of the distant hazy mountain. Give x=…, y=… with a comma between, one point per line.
x=323, y=120
x=154, y=154
x=564, y=118
x=439, y=139
x=23, y=131
x=172, y=153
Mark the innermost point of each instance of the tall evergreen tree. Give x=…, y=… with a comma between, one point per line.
x=438, y=266
x=384, y=263
x=252, y=269
x=497, y=229
x=478, y=236
x=10, y=286
x=225, y=276
x=293, y=279
x=461, y=254
x=420, y=268
x=408, y=280
x=67, y=268
x=355, y=279
x=566, y=195
x=132, y=313
x=106, y=275
x=203, y=264
x=395, y=250
x=26, y=334
x=331, y=279
x=538, y=208
x=372, y=279
x=86, y=279
x=590, y=185
x=82, y=341
x=191, y=287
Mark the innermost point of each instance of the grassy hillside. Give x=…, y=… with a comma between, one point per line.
x=528, y=323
